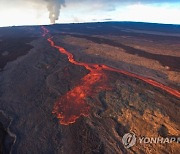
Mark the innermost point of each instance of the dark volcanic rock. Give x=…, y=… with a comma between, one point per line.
x=10, y=50
x=7, y=139
x=2, y=136
x=32, y=81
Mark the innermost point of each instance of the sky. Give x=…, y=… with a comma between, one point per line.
x=38, y=12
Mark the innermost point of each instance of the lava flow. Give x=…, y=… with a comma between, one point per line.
x=72, y=105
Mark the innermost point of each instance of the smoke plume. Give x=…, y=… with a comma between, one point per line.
x=54, y=7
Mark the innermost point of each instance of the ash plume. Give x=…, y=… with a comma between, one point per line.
x=54, y=7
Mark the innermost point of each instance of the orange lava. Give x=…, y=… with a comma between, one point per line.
x=45, y=31
x=72, y=105
x=147, y=80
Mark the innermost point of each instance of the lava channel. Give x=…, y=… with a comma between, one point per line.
x=69, y=107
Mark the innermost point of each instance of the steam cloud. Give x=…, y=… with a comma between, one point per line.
x=54, y=7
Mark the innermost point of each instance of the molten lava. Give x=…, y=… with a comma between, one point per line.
x=45, y=31
x=72, y=105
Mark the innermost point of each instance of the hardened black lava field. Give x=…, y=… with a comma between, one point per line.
x=78, y=88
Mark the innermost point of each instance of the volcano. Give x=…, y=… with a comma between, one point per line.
x=79, y=88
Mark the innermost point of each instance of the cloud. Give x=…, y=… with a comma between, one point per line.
x=90, y=6
x=121, y=1
x=53, y=6
x=107, y=19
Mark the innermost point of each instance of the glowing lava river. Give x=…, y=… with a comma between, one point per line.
x=72, y=105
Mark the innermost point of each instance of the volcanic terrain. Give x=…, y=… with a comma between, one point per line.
x=78, y=88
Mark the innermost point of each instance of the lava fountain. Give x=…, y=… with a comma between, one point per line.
x=72, y=105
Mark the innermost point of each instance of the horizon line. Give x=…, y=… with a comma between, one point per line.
x=68, y=23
